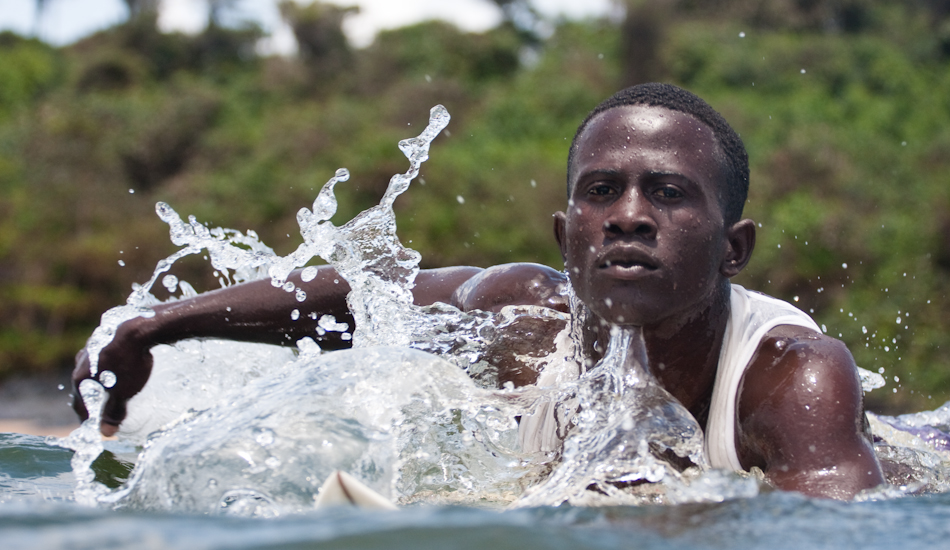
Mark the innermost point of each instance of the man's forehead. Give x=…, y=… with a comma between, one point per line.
x=616, y=124
x=632, y=126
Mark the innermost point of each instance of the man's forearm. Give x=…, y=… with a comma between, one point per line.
x=255, y=312
x=259, y=312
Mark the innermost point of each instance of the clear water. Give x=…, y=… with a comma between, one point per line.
x=226, y=432
x=36, y=512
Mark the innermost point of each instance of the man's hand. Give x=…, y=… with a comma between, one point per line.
x=247, y=312
x=131, y=362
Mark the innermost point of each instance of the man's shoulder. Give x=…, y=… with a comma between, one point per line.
x=515, y=284
x=800, y=382
x=791, y=359
x=801, y=417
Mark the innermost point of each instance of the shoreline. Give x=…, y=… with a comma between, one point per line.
x=32, y=427
x=37, y=405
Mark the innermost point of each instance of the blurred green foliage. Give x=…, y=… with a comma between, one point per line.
x=844, y=107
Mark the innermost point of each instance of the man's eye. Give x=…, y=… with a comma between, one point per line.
x=669, y=193
x=601, y=190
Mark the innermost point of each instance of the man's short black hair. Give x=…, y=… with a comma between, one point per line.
x=733, y=159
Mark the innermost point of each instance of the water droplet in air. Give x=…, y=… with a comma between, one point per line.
x=264, y=437
x=121, y=263
x=308, y=274
x=170, y=282
x=107, y=378
x=295, y=314
x=460, y=198
x=741, y=35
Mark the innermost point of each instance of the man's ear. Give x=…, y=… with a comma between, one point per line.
x=740, y=240
x=560, y=220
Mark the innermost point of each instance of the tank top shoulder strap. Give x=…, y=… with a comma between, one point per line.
x=752, y=315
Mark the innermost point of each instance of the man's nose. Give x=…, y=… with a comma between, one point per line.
x=631, y=214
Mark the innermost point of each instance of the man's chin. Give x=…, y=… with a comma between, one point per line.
x=613, y=316
x=624, y=309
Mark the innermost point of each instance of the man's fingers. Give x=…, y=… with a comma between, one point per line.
x=113, y=413
x=79, y=406
x=80, y=373
x=107, y=429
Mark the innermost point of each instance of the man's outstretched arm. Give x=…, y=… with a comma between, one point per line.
x=253, y=312
x=801, y=417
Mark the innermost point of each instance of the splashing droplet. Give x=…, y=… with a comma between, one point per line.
x=170, y=282
x=107, y=379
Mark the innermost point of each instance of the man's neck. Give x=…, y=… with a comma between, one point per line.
x=683, y=352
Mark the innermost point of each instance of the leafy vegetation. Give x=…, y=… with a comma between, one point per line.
x=844, y=107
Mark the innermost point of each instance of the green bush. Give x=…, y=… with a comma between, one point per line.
x=846, y=125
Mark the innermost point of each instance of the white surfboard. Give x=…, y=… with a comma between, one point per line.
x=342, y=489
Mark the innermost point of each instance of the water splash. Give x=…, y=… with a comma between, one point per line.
x=381, y=272
x=629, y=435
x=87, y=442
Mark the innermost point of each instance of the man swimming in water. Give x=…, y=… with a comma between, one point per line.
x=651, y=236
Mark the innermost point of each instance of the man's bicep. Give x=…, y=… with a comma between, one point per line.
x=516, y=284
x=801, y=420
x=440, y=285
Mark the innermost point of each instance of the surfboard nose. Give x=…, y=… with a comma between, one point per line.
x=342, y=489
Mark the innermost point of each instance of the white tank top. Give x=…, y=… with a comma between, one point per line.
x=751, y=316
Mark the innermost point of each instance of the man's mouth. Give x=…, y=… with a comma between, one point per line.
x=626, y=261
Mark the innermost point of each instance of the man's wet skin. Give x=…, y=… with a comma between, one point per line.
x=643, y=236
x=645, y=242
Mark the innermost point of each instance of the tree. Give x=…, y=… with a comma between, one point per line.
x=318, y=28
x=642, y=33
x=140, y=7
